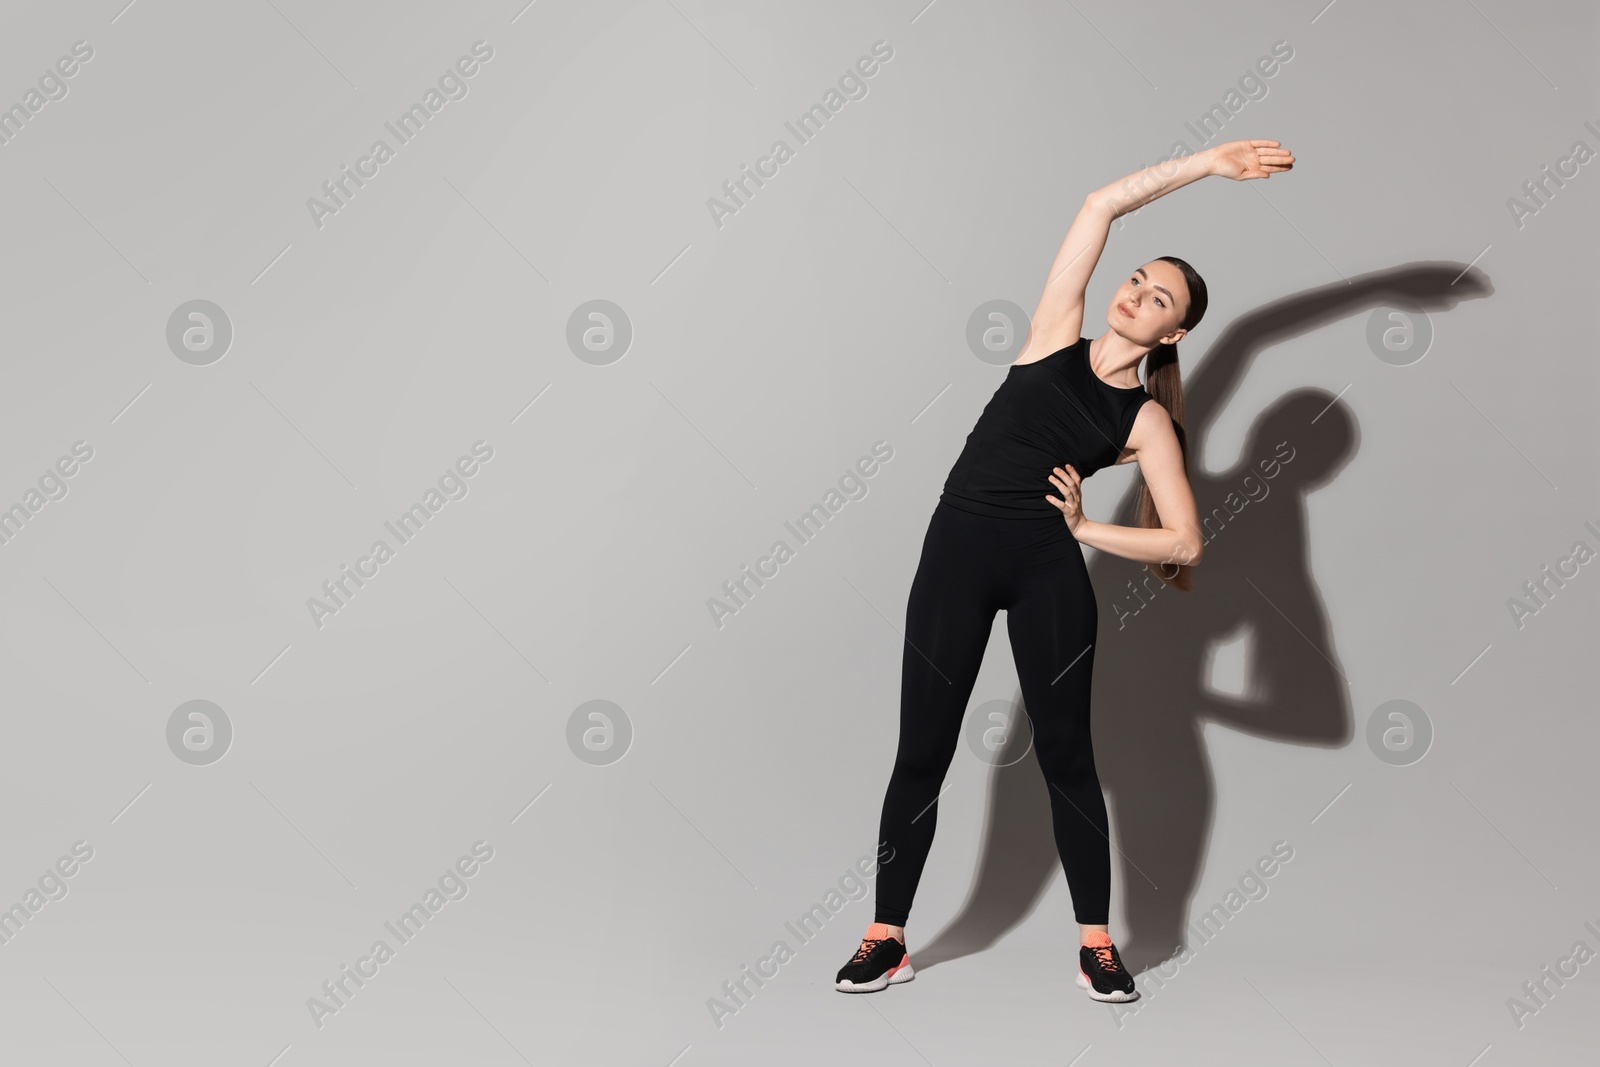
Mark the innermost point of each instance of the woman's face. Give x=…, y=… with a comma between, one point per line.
x=1150, y=304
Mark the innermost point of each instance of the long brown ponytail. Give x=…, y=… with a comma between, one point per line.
x=1164, y=383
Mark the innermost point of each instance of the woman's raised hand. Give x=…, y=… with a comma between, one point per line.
x=1240, y=160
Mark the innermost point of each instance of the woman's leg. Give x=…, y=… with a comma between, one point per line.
x=949, y=614
x=1052, y=623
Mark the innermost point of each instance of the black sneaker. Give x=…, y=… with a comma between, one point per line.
x=881, y=960
x=1100, y=971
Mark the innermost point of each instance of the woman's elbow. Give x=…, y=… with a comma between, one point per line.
x=1098, y=203
x=1190, y=549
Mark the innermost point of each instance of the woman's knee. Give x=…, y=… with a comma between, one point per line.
x=921, y=766
x=1067, y=764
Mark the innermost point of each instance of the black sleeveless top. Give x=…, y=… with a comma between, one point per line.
x=1046, y=414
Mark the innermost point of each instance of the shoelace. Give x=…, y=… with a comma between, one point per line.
x=867, y=945
x=1106, y=956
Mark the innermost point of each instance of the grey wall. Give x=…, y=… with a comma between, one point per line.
x=644, y=850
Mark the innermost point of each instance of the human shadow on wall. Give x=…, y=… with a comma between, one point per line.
x=1151, y=701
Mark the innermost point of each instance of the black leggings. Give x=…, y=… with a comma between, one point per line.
x=971, y=567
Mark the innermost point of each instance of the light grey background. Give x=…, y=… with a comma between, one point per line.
x=768, y=354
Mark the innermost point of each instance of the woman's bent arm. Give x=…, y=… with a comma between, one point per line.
x=1179, y=539
x=1161, y=545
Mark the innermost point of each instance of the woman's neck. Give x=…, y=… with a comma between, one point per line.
x=1095, y=348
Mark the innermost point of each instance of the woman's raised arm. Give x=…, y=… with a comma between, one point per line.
x=1058, y=319
x=1059, y=316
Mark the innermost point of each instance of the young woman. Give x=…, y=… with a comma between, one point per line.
x=1068, y=407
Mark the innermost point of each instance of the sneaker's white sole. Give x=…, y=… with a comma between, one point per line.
x=883, y=981
x=1083, y=983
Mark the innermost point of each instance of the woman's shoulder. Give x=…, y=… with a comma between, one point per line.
x=1056, y=347
x=1147, y=416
